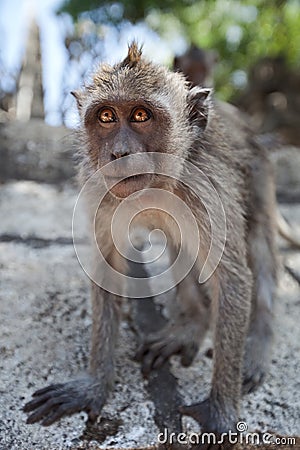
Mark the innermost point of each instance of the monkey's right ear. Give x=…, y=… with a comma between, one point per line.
x=199, y=101
x=78, y=96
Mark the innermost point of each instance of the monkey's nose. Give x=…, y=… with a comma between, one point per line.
x=119, y=153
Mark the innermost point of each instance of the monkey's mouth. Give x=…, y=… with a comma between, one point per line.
x=113, y=180
x=123, y=187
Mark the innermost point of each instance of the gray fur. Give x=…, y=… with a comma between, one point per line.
x=214, y=138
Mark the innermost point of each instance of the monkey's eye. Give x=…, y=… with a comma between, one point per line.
x=106, y=115
x=140, y=115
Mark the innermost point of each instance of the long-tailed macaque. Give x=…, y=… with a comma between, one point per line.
x=137, y=107
x=197, y=64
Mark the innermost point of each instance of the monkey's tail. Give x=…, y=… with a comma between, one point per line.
x=286, y=231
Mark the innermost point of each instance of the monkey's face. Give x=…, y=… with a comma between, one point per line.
x=118, y=129
x=136, y=107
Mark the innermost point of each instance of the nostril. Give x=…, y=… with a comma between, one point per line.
x=116, y=154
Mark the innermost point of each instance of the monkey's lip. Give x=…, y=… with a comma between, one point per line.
x=123, y=187
x=113, y=180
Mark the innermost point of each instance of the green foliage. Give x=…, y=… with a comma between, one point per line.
x=76, y=7
x=242, y=31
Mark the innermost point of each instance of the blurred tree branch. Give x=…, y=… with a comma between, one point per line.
x=241, y=31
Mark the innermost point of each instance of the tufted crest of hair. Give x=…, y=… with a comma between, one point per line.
x=134, y=55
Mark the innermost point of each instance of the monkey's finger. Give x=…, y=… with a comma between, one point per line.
x=44, y=410
x=93, y=415
x=198, y=411
x=145, y=348
x=51, y=387
x=139, y=354
x=149, y=356
x=169, y=349
x=159, y=353
x=35, y=403
x=43, y=398
x=165, y=355
x=64, y=409
x=148, y=343
x=252, y=383
x=94, y=410
x=71, y=407
x=188, y=354
x=152, y=338
x=158, y=363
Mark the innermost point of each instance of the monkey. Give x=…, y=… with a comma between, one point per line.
x=197, y=64
x=138, y=108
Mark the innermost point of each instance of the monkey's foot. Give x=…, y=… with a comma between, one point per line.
x=256, y=364
x=179, y=338
x=58, y=400
x=253, y=377
x=213, y=422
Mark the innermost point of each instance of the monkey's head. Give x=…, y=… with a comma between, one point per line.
x=138, y=107
x=197, y=64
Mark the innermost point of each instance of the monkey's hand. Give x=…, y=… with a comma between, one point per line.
x=207, y=414
x=58, y=400
x=176, y=338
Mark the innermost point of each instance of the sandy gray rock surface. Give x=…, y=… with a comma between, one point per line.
x=45, y=323
x=35, y=151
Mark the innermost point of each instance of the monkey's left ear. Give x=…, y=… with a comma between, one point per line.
x=199, y=101
x=78, y=96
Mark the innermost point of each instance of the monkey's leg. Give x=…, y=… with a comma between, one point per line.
x=263, y=263
x=88, y=393
x=260, y=335
x=185, y=332
x=219, y=412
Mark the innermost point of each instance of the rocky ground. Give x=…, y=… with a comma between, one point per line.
x=45, y=323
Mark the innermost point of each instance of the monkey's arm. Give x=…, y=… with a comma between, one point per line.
x=88, y=393
x=185, y=331
x=219, y=412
